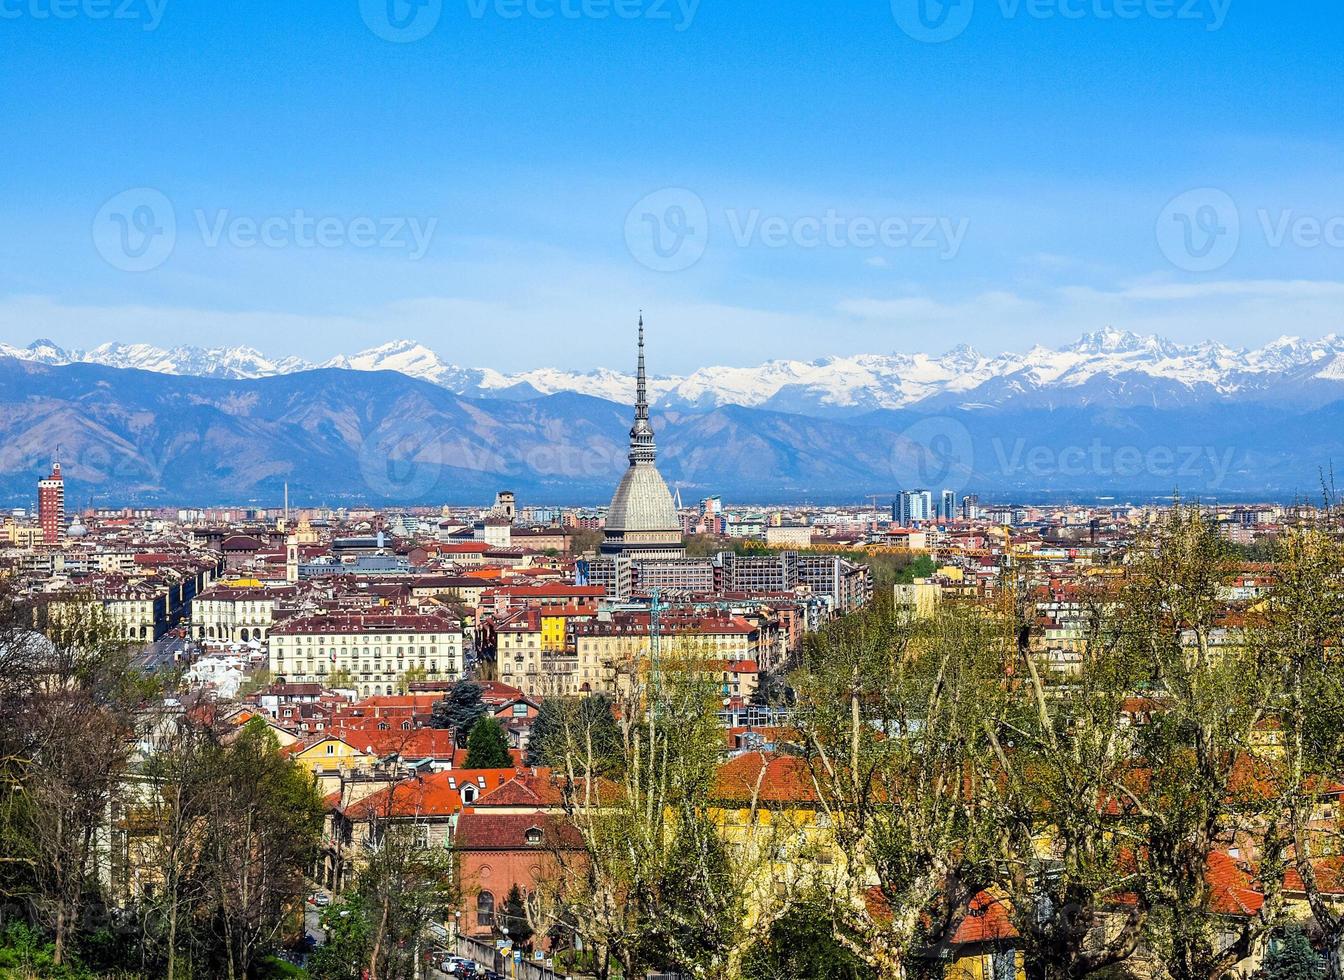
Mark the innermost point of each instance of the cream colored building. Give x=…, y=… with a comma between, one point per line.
x=788, y=536
x=375, y=650
x=598, y=653
x=228, y=614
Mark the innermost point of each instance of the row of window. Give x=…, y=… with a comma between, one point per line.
x=346, y=639
x=366, y=669
x=402, y=652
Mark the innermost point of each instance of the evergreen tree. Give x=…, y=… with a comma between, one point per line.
x=1292, y=958
x=563, y=727
x=488, y=746
x=513, y=916
x=459, y=711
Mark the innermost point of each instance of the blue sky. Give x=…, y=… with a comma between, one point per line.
x=820, y=180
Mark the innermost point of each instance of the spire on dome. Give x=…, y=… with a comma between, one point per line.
x=642, y=388
x=642, y=449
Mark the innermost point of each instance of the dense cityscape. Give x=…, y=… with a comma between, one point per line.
x=911, y=737
x=671, y=490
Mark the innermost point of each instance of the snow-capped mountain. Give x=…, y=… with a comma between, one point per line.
x=1109, y=367
x=202, y=362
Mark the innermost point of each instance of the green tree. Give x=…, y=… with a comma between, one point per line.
x=178, y=802
x=801, y=946
x=459, y=711
x=340, y=679
x=656, y=885
x=407, y=885
x=513, y=916
x=1202, y=781
x=1298, y=631
x=258, y=840
x=70, y=700
x=488, y=746
x=412, y=675
x=566, y=725
x=1292, y=958
x=345, y=953
x=892, y=711
x=1057, y=748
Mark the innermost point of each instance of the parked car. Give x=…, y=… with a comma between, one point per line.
x=321, y=900
x=460, y=966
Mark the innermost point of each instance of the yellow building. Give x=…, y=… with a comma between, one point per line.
x=331, y=760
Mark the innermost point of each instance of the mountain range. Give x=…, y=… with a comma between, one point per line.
x=1109, y=367
x=1112, y=415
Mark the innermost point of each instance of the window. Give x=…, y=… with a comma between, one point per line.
x=533, y=836
x=485, y=909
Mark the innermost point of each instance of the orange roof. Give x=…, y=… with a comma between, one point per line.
x=436, y=795
x=989, y=918
x=765, y=777
x=537, y=788
x=526, y=789
x=1329, y=874
x=417, y=743
x=1232, y=887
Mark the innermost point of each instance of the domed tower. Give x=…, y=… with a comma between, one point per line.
x=642, y=521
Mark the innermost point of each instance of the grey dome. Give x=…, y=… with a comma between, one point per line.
x=642, y=502
x=642, y=521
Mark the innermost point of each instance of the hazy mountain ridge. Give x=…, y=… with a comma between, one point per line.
x=344, y=436
x=1109, y=367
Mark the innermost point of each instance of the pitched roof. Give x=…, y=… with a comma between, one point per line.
x=1232, y=890
x=988, y=919
x=478, y=831
x=766, y=777
x=417, y=743
x=540, y=789
x=436, y=795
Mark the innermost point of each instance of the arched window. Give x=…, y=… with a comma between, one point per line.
x=485, y=909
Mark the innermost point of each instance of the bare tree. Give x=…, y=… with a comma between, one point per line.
x=68, y=723
x=1199, y=786
x=892, y=711
x=263, y=832
x=1299, y=631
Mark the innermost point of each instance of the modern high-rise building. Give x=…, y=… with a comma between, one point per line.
x=642, y=520
x=912, y=506
x=948, y=506
x=51, y=505
x=970, y=507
